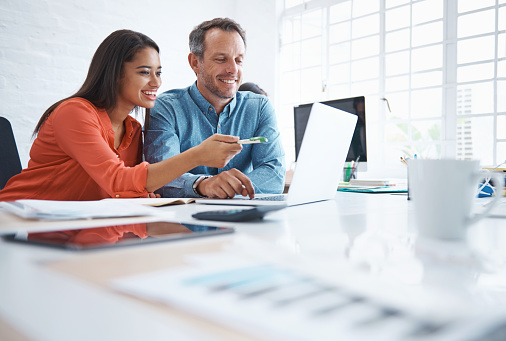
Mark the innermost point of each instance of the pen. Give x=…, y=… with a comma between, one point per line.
x=354, y=167
x=259, y=139
x=403, y=160
x=347, y=173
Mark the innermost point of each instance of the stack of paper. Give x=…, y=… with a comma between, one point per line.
x=374, y=186
x=373, y=189
x=369, y=182
x=58, y=210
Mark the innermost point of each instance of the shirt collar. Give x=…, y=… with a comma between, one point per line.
x=129, y=129
x=203, y=104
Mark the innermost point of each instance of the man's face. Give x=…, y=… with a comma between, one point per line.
x=219, y=71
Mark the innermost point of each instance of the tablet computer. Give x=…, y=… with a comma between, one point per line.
x=118, y=235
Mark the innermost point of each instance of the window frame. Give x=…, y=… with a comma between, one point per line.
x=447, y=143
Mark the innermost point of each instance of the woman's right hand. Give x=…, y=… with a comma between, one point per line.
x=217, y=150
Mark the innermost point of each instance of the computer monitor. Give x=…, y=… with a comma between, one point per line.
x=353, y=105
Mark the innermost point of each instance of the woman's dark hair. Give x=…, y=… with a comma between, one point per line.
x=199, y=32
x=101, y=84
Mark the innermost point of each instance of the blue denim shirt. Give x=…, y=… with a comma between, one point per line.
x=183, y=118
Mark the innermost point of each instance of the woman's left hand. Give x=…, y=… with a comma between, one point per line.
x=154, y=195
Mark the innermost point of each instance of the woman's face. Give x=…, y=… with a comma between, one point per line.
x=140, y=80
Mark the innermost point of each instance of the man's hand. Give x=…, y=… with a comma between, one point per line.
x=226, y=185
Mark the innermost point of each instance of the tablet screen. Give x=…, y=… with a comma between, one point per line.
x=118, y=235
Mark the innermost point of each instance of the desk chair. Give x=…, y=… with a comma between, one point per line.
x=10, y=164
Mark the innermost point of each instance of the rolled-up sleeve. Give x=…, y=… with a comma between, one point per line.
x=268, y=159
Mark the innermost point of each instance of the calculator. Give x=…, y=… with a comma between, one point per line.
x=239, y=214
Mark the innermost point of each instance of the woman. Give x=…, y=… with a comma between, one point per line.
x=89, y=148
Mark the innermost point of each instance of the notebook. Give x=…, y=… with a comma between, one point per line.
x=319, y=166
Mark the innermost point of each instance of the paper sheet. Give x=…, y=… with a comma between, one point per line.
x=57, y=210
x=155, y=202
x=274, y=301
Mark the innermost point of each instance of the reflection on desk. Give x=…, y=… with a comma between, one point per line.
x=118, y=235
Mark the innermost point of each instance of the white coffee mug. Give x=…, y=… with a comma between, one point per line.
x=443, y=192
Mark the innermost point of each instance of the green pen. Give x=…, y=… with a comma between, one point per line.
x=259, y=139
x=347, y=174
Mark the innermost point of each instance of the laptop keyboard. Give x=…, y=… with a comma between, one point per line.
x=280, y=197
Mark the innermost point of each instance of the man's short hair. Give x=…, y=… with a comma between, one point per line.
x=198, y=34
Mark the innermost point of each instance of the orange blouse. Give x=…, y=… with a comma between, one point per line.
x=73, y=158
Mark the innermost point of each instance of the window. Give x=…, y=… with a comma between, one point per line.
x=433, y=73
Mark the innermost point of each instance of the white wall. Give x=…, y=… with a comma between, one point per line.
x=260, y=20
x=46, y=46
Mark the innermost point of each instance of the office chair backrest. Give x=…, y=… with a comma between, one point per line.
x=10, y=164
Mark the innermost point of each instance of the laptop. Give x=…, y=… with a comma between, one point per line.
x=319, y=165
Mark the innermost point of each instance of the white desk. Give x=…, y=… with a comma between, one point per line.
x=48, y=294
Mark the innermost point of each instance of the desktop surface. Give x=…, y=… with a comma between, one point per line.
x=365, y=241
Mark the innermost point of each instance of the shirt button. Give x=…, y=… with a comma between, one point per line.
x=204, y=112
x=117, y=195
x=210, y=108
x=219, y=125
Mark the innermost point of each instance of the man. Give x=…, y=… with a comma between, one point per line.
x=183, y=118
